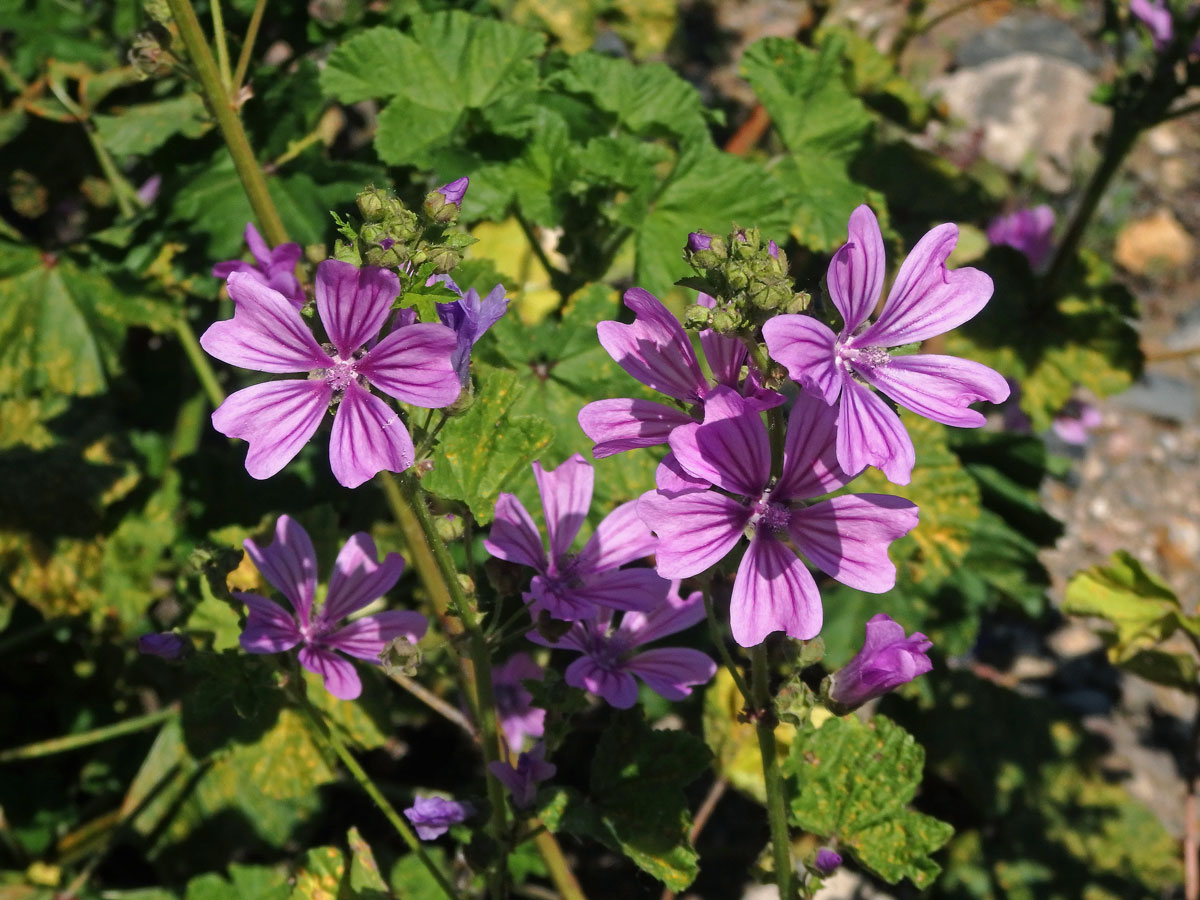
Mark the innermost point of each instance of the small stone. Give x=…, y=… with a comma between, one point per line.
x=1155, y=244
x=1015, y=34
x=1162, y=396
x=1074, y=639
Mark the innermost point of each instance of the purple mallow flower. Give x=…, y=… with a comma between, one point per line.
x=454, y=191
x=1027, y=230
x=611, y=656
x=1075, y=420
x=571, y=586
x=433, y=816
x=522, y=779
x=846, y=537
x=926, y=299
x=277, y=418
x=166, y=644
x=517, y=715
x=656, y=351
x=1157, y=19
x=290, y=564
x=275, y=269
x=827, y=861
x=887, y=660
x=469, y=318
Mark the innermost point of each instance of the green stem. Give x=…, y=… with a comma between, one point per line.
x=558, y=867
x=764, y=727
x=559, y=280
x=328, y=737
x=87, y=738
x=251, y=176
x=199, y=360
x=222, y=45
x=243, y=63
x=718, y=638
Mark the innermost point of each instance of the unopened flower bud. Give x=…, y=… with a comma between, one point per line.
x=444, y=260
x=725, y=322
x=372, y=204
x=827, y=861
x=443, y=204
x=697, y=317
x=449, y=527
x=799, y=302
x=699, y=240
x=466, y=399
x=887, y=660
x=400, y=655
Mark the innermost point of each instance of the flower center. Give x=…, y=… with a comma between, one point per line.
x=607, y=650
x=770, y=515
x=341, y=373
x=863, y=358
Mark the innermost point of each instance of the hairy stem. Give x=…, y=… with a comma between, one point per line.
x=215, y=95
x=222, y=45
x=327, y=736
x=87, y=738
x=718, y=638
x=764, y=726
x=199, y=360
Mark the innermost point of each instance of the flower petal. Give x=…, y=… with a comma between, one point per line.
x=654, y=349
x=621, y=537
x=358, y=577
x=848, y=537
x=730, y=449
x=365, y=638
x=928, y=299
x=275, y=418
x=674, y=614
x=628, y=424
x=514, y=537
x=289, y=563
x=340, y=678
x=671, y=480
x=870, y=434
x=353, y=303
x=258, y=247
x=773, y=591
x=940, y=387
x=566, y=495
x=368, y=436
x=629, y=589
x=725, y=355
x=269, y=627
x=856, y=272
x=266, y=332
x=618, y=688
x=807, y=349
x=695, y=530
x=810, y=466
x=672, y=671
x=413, y=364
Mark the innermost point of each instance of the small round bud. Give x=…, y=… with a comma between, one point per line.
x=799, y=302
x=444, y=260
x=725, y=322
x=372, y=204
x=827, y=861
x=699, y=240
x=449, y=527
x=697, y=317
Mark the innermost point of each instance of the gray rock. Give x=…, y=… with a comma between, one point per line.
x=1033, y=111
x=1162, y=396
x=1186, y=334
x=1028, y=34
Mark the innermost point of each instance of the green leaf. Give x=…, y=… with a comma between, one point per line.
x=822, y=125
x=638, y=776
x=481, y=450
x=142, y=129
x=854, y=782
x=243, y=883
x=450, y=64
x=321, y=876
x=364, y=871
x=410, y=880
x=874, y=77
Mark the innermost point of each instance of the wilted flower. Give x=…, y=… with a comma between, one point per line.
x=887, y=660
x=522, y=779
x=275, y=269
x=469, y=318
x=847, y=537
x=926, y=299
x=290, y=564
x=515, y=711
x=1027, y=230
x=433, y=816
x=277, y=418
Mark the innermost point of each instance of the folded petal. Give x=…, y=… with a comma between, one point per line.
x=621, y=537
x=340, y=678
x=671, y=480
x=266, y=332
x=258, y=247
x=928, y=299
x=616, y=687
x=358, y=577
x=695, y=530
x=368, y=437
x=730, y=449
x=810, y=466
x=674, y=614
x=269, y=627
x=628, y=589
x=725, y=355
x=289, y=563
x=514, y=537
x=353, y=303
x=773, y=591
x=871, y=434
x=628, y=424
x=806, y=348
x=566, y=494
x=276, y=419
x=672, y=671
x=940, y=387
x=654, y=349
x=856, y=272
x=413, y=364
x=365, y=638
x=848, y=537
